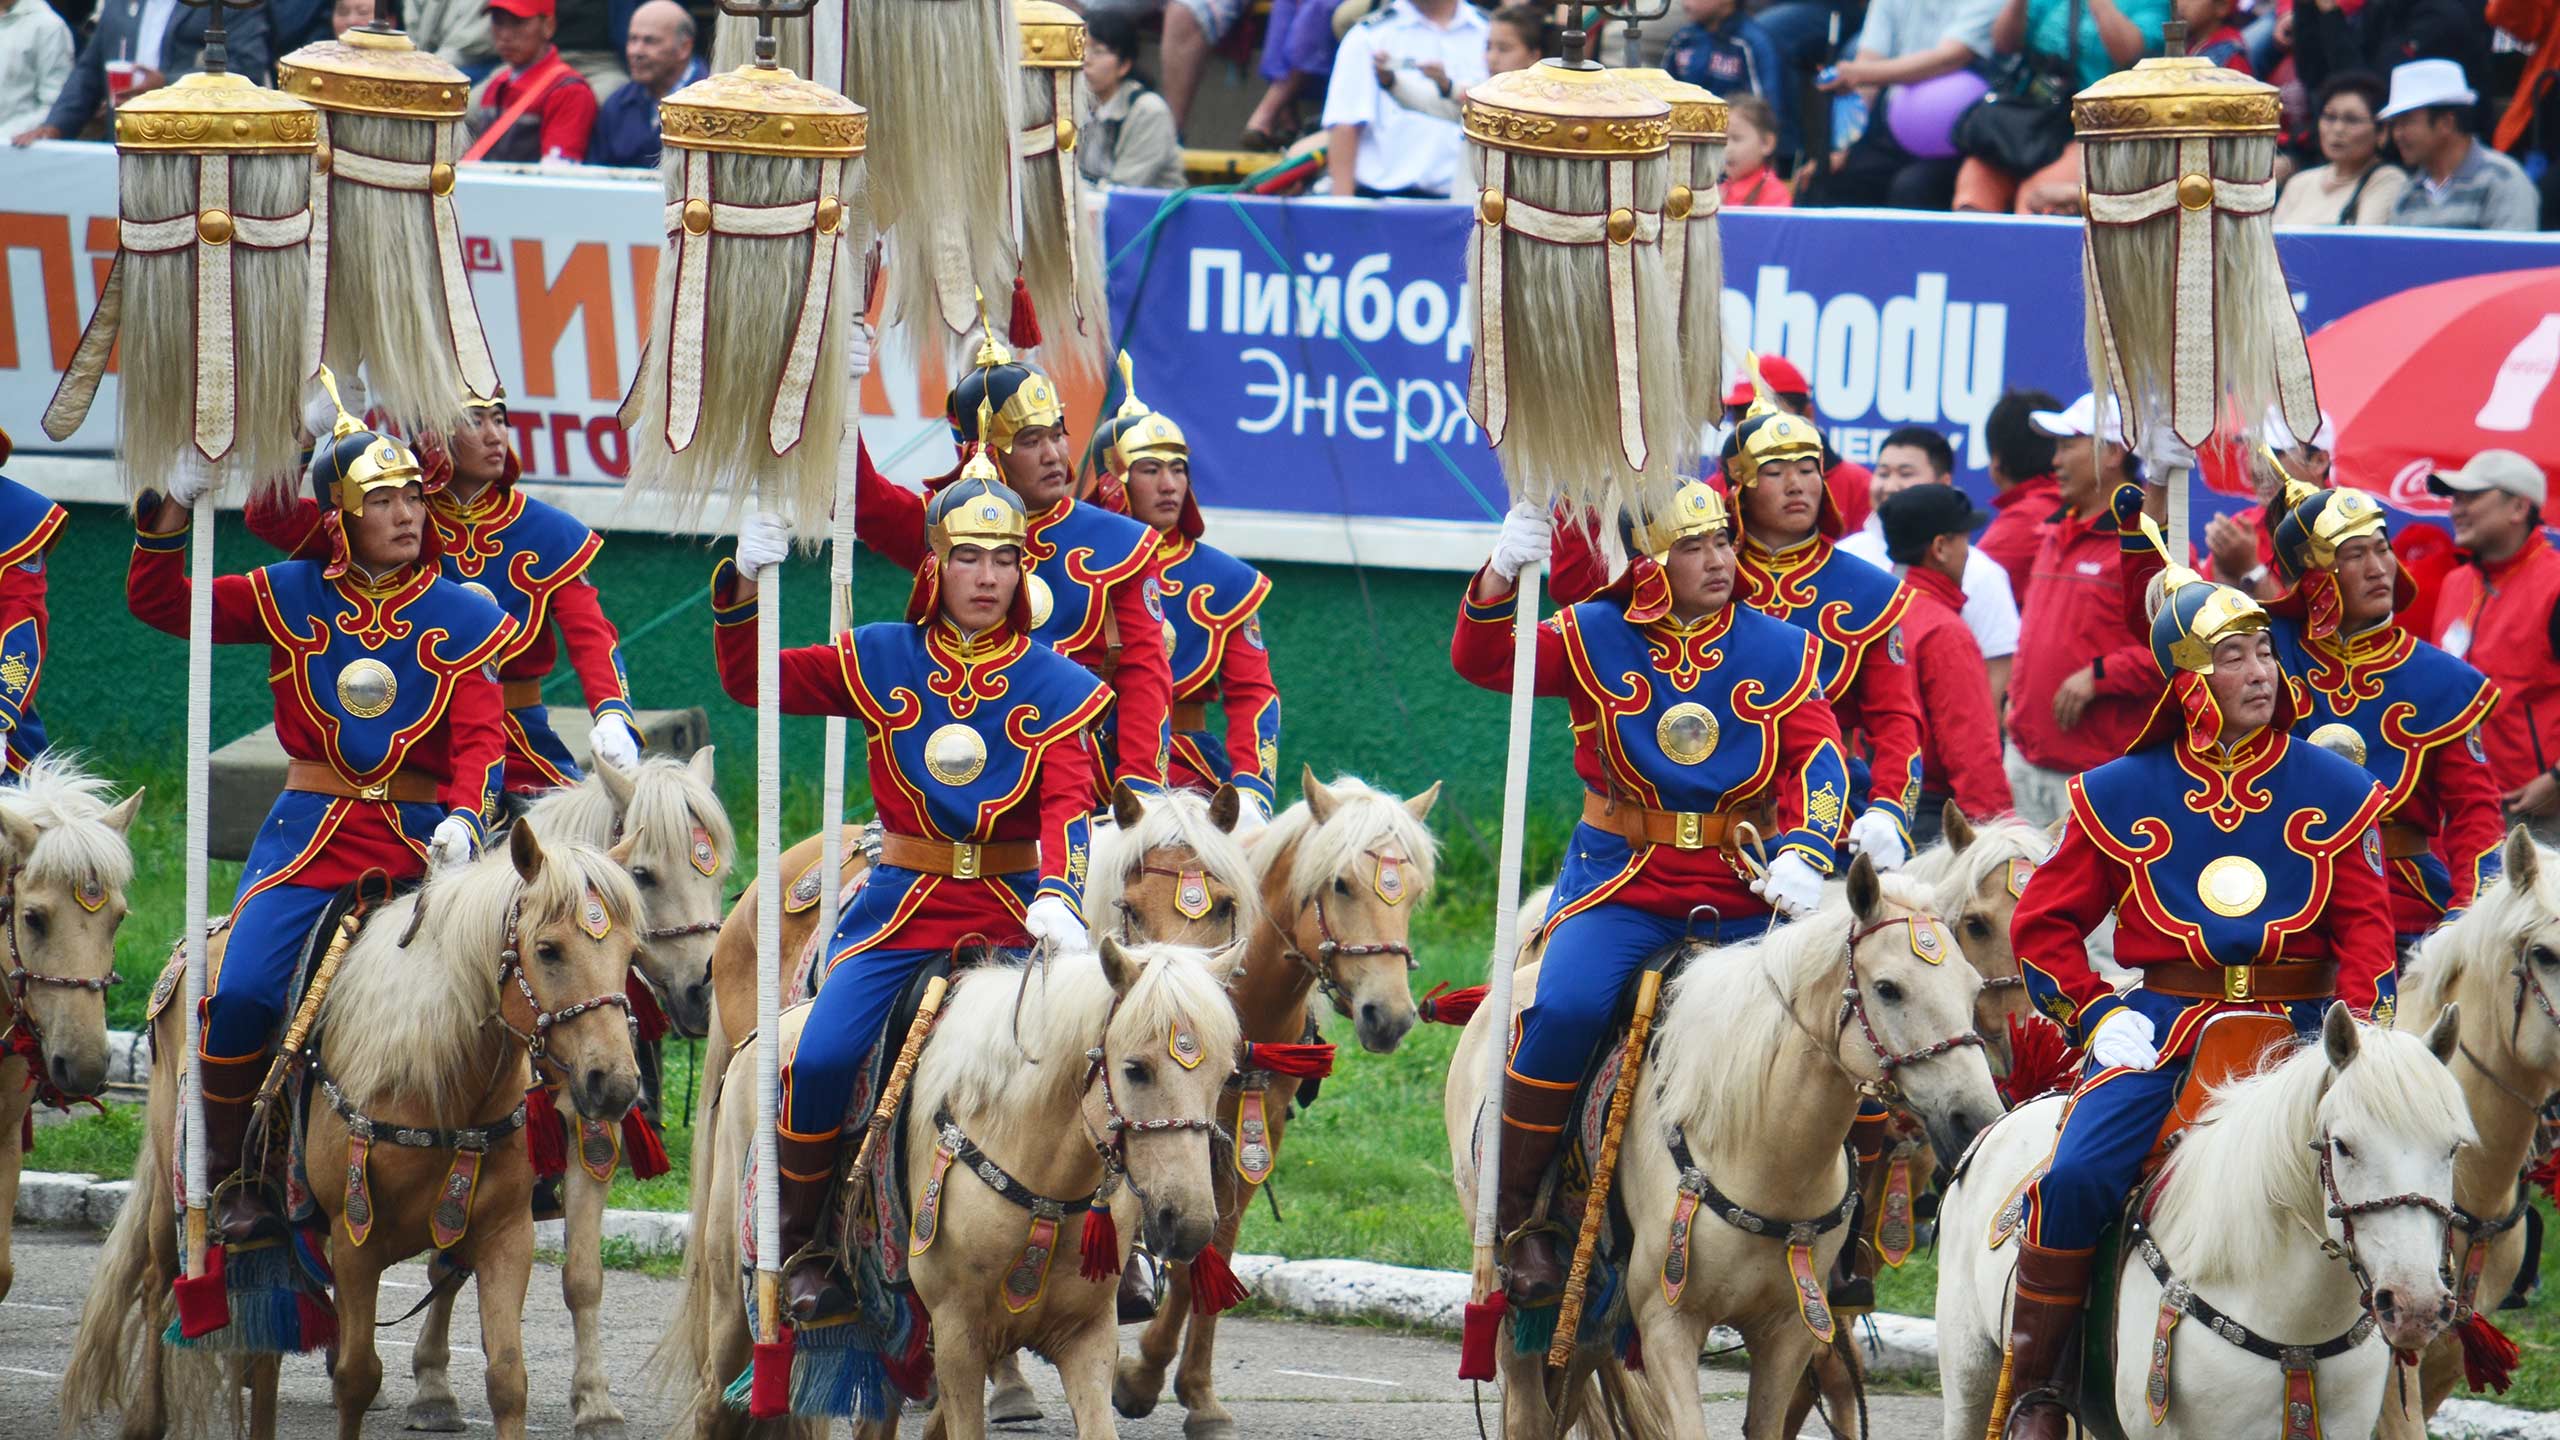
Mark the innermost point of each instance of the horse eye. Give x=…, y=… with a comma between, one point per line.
x=2344, y=1153
x=1977, y=927
x=1137, y=1072
x=1223, y=908
x=644, y=877
x=1341, y=886
x=547, y=952
x=1889, y=992
x=2544, y=957
x=36, y=922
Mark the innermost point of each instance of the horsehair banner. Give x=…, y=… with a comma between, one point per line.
x=1924, y=322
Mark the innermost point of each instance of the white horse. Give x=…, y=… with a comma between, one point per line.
x=680, y=847
x=2499, y=962
x=1756, y=1069
x=2320, y=1181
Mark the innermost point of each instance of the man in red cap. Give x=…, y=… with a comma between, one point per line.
x=537, y=107
x=1847, y=482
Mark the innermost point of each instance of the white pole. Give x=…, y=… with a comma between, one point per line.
x=1506, y=925
x=199, y=820
x=768, y=951
x=2181, y=544
x=839, y=615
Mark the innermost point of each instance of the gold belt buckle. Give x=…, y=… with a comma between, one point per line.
x=1688, y=830
x=964, y=860
x=2239, y=982
x=380, y=790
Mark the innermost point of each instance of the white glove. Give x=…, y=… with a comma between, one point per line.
x=1873, y=835
x=858, y=344
x=1252, y=816
x=1792, y=887
x=1054, y=924
x=2124, y=1042
x=190, y=480
x=2162, y=452
x=319, y=417
x=452, y=844
x=763, y=541
x=1527, y=536
x=615, y=742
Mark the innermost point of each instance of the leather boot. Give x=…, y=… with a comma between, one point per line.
x=811, y=1285
x=2053, y=1286
x=1141, y=1288
x=1533, y=1255
x=244, y=1211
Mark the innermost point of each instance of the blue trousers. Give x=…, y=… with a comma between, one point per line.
x=246, y=1004
x=844, y=1022
x=1590, y=959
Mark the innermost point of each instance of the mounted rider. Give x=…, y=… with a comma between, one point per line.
x=529, y=557
x=392, y=728
x=1697, y=721
x=1212, y=605
x=2245, y=873
x=1089, y=576
x=975, y=741
x=29, y=526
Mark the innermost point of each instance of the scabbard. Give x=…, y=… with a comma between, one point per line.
x=1595, y=1203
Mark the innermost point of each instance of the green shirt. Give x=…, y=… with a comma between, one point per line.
x=2049, y=25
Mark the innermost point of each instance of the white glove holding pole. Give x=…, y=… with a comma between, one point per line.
x=858, y=344
x=453, y=843
x=1791, y=886
x=763, y=541
x=1527, y=536
x=1874, y=835
x=190, y=480
x=2125, y=1042
x=615, y=742
x=1053, y=923
x=319, y=417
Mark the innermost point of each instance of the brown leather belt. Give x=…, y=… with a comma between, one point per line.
x=405, y=787
x=1188, y=715
x=958, y=859
x=2289, y=980
x=521, y=694
x=1679, y=829
x=2405, y=842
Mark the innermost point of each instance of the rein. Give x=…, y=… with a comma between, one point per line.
x=1330, y=948
x=20, y=1036
x=2345, y=1212
x=1853, y=1006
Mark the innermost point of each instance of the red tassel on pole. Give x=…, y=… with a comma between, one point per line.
x=546, y=1140
x=1101, y=1250
x=2489, y=1358
x=1480, y=1329
x=1302, y=1062
x=769, y=1391
x=641, y=1147
x=1444, y=1006
x=1024, y=327
x=1214, y=1286
x=204, y=1306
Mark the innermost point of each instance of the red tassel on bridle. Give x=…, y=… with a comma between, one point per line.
x=1444, y=1006
x=2489, y=1358
x=640, y=1145
x=2546, y=1176
x=1481, y=1327
x=1023, y=327
x=1214, y=1286
x=1302, y=1062
x=1100, y=1259
x=546, y=1140
x=645, y=1011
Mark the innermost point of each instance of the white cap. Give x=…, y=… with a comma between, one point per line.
x=2420, y=84
x=2081, y=418
x=2280, y=435
x=2494, y=470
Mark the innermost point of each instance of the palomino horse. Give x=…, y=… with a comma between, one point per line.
x=67, y=868
x=680, y=845
x=1975, y=878
x=1342, y=872
x=2360, y=1128
x=1007, y=1072
x=1733, y=1174
x=2499, y=961
x=435, y=1008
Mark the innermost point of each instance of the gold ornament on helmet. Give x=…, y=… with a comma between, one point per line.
x=977, y=509
x=353, y=462
x=2196, y=614
x=1006, y=396
x=2336, y=517
x=1695, y=509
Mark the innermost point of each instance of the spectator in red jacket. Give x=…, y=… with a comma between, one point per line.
x=2084, y=679
x=1847, y=482
x=537, y=107
x=1927, y=530
x=2029, y=496
x=2501, y=611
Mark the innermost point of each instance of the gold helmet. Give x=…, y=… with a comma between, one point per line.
x=1696, y=508
x=2314, y=522
x=1001, y=397
x=473, y=401
x=351, y=462
x=977, y=509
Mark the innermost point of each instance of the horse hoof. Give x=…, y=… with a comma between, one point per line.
x=1134, y=1401
x=1208, y=1427
x=444, y=1417
x=603, y=1427
x=1012, y=1404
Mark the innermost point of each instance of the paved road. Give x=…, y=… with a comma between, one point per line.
x=1320, y=1382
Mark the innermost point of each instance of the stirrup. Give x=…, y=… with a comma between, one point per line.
x=1530, y=1229
x=830, y=1298
x=2028, y=1399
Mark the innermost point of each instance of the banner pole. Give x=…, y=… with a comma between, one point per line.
x=1506, y=928
x=198, y=882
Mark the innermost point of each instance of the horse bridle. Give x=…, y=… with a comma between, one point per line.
x=2345, y=1211
x=1113, y=1143
x=1129, y=912
x=537, y=1040
x=1853, y=1006
x=1331, y=949
x=21, y=978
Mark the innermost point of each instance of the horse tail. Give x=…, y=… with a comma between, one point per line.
x=683, y=1359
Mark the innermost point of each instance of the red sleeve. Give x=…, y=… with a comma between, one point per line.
x=2474, y=825
x=476, y=734
x=812, y=675
x=2358, y=922
x=22, y=603
x=1067, y=788
x=1480, y=651
x=289, y=522
x=568, y=119
x=1964, y=739
x=2068, y=896
x=888, y=516
x=578, y=614
x=156, y=590
x=1246, y=690
x=1577, y=568
x=1142, y=681
x=1885, y=708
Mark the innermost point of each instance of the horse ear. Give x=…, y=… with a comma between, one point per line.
x=1320, y=801
x=2523, y=860
x=1118, y=966
x=1866, y=892
x=525, y=851
x=2338, y=1037
x=120, y=819
x=1126, y=808
x=1225, y=807
x=617, y=784
x=2446, y=1033
x=21, y=834
x=1959, y=829
x=1419, y=807
x=701, y=763
x=621, y=854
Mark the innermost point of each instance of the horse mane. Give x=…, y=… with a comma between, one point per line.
x=668, y=800
x=2470, y=959
x=1012, y=1037
x=1721, y=1007
x=2251, y=1157
x=1364, y=818
x=69, y=807
x=1174, y=819
x=401, y=1019
x=582, y=812
x=1955, y=876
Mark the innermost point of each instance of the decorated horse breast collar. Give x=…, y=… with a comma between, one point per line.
x=1027, y=1278
x=1698, y=1192
x=470, y=1145
x=2179, y=1300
